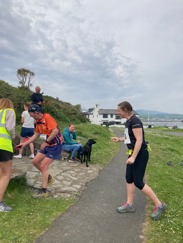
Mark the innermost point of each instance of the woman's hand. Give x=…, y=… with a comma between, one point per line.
x=115, y=139
x=20, y=145
x=130, y=160
x=43, y=145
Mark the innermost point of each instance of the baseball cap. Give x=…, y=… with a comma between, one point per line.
x=34, y=107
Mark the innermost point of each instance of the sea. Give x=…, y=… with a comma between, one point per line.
x=170, y=124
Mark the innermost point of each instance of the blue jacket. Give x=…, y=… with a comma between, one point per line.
x=69, y=136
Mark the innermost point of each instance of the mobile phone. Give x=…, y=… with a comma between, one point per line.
x=18, y=146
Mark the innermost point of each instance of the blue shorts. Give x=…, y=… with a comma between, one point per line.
x=27, y=132
x=52, y=152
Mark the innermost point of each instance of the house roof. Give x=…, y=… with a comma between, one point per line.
x=108, y=111
x=112, y=111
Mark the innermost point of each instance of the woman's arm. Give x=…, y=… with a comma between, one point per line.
x=139, y=139
x=11, y=122
x=117, y=139
x=22, y=120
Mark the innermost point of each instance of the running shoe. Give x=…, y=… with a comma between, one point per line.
x=40, y=194
x=4, y=207
x=126, y=208
x=31, y=156
x=158, y=211
x=19, y=156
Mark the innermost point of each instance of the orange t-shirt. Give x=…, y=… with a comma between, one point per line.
x=45, y=126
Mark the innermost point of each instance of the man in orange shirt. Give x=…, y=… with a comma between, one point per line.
x=51, y=148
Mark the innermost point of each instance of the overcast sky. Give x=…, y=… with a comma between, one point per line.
x=92, y=52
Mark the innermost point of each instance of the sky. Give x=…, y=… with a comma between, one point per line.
x=101, y=52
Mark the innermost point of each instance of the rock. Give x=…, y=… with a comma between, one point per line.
x=170, y=163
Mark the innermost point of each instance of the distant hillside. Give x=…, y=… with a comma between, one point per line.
x=61, y=111
x=145, y=114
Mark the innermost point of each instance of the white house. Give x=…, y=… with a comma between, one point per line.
x=104, y=116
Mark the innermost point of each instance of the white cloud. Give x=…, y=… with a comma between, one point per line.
x=97, y=52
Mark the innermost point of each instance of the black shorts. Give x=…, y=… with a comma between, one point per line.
x=135, y=172
x=5, y=155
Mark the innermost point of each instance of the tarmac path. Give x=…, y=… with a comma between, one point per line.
x=94, y=219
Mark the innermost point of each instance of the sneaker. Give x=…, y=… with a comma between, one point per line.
x=126, y=208
x=77, y=160
x=17, y=156
x=51, y=180
x=40, y=194
x=71, y=161
x=4, y=207
x=31, y=156
x=158, y=211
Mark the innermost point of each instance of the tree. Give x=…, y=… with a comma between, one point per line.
x=25, y=76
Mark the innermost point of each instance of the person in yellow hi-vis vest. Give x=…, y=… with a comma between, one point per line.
x=7, y=134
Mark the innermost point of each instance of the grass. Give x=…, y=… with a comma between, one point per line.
x=31, y=217
x=167, y=182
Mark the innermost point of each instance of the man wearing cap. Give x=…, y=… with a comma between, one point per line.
x=50, y=149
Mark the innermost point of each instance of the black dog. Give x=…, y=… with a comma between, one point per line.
x=86, y=151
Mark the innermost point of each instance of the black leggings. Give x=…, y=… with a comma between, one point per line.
x=135, y=172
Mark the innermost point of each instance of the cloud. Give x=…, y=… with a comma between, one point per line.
x=91, y=52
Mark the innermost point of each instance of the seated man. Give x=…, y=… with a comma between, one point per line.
x=69, y=145
x=37, y=97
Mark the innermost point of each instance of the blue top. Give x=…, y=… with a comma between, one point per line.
x=69, y=136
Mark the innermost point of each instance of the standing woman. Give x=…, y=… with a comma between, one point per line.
x=7, y=133
x=27, y=131
x=136, y=163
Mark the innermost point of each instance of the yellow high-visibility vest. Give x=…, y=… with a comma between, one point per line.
x=5, y=138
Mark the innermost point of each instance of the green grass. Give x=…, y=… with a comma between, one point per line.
x=167, y=182
x=31, y=217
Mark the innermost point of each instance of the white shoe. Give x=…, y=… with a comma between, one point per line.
x=18, y=156
x=31, y=156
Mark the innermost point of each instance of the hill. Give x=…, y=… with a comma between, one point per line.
x=145, y=114
x=62, y=111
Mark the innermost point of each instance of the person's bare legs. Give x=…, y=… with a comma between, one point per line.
x=5, y=175
x=21, y=141
x=44, y=169
x=37, y=160
x=151, y=195
x=42, y=163
x=130, y=193
x=31, y=145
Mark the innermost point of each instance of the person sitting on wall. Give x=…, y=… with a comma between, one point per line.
x=37, y=97
x=70, y=144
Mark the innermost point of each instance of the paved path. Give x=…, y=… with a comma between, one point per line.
x=93, y=219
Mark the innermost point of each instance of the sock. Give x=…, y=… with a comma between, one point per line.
x=161, y=206
x=44, y=190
